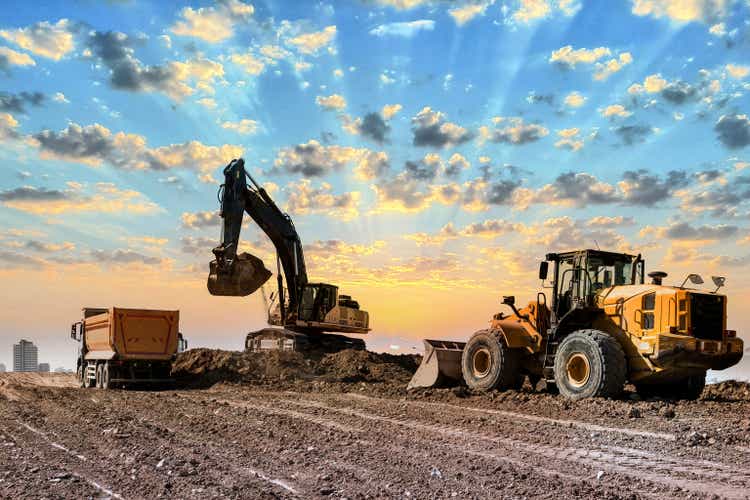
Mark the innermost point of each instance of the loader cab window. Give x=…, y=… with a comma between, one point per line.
x=566, y=286
x=606, y=272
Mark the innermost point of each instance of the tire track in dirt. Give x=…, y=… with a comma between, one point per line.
x=40, y=448
x=698, y=467
x=708, y=483
x=99, y=406
x=451, y=449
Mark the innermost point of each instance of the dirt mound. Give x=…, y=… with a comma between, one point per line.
x=365, y=366
x=11, y=381
x=729, y=390
x=205, y=367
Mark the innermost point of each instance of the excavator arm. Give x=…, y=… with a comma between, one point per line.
x=242, y=274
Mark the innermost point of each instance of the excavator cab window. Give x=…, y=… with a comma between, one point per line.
x=317, y=301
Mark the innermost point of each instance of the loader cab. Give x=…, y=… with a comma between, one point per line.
x=578, y=276
x=317, y=300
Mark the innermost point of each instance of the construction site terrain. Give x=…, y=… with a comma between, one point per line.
x=245, y=425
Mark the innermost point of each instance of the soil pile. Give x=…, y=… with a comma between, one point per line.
x=205, y=367
x=729, y=390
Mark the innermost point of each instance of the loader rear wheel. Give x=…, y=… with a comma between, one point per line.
x=590, y=363
x=488, y=363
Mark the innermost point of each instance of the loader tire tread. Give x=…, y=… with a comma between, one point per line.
x=609, y=369
x=505, y=372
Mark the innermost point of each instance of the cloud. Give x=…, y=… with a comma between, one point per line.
x=733, y=131
x=8, y=126
x=534, y=98
x=333, y=101
x=685, y=231
x=313, y=159
x=489, y=228
x=533, y=10
x=390, y=110
x=115, y=51
x=569, y=139
x=119, y=256
x=336, y=248
x=9, y=57
x=400, y=194
x=197, y=245
x=706, y=11
x=44, y=39
x=602, y=221
x=96, y=144
x=447, y=232
x=576, y=189
x=465, y=13
x=305, y=199
x=512, y=131
x=574, y=100
x=60, y=97
x=16, y=103
x=425, y=169
x=633, y=134
x=737, y=71
x=639, y=187
x=567, y=57
x=456, y=164
x=402, y=4
x=45, y=247
x=676, y=92
x=565, y=233
x=403, y=29
x=430, y=128
x=614, y=110
x=249, y=63
x=103, y=198
x=311, y=43
x=200, y=220
x=245, y=126
x=213, y=24
x=372, y=126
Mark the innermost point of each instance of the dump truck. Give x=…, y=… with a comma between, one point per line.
x=303, y=315
x=603, y=326
x=120, y=346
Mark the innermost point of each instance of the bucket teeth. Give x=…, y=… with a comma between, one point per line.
x=441, y=365
x=246, y=274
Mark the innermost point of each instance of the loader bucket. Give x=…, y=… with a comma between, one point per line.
x=246, y=274
x=441, y=365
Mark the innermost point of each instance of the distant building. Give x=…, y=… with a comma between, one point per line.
x=2, y=368
x=43, y=367
x=25, y=357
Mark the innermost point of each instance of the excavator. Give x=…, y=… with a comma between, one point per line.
x=303, y=315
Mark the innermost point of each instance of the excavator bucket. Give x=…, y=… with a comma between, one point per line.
x=441, y=365
x=246, y=274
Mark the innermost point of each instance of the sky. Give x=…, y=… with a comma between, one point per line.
x=429, y=152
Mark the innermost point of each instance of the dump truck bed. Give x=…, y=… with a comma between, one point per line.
x=131, y=334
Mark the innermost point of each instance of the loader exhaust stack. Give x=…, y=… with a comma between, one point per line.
x=441, y=365
x=242, y=277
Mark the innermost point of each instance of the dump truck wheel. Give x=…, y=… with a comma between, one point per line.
x=590, y=363
x=487, y=363
x=81, y=374
x=98, y=382
x=106, y=377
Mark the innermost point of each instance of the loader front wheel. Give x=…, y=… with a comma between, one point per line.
x=488, y=363
x=590, y=363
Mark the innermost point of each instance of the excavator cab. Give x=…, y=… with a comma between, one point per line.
x=317, y=301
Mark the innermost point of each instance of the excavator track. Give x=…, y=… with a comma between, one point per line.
x=283, y=339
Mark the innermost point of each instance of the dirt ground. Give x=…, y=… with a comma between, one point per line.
x=344, y=426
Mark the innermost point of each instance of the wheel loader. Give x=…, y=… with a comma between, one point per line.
x=303, y=313
x=603, y=327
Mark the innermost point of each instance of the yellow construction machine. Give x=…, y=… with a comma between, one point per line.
x=603, y=327
x=304, y=313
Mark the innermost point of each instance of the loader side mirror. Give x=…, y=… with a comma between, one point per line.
x=543, y=268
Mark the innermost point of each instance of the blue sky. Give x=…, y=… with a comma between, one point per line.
x=431, y=151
